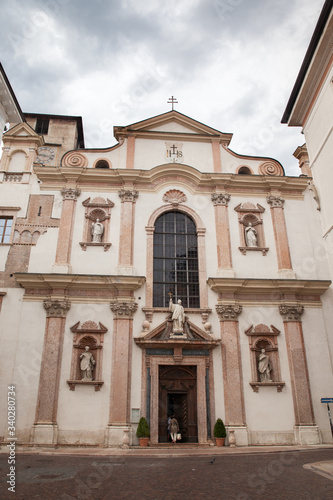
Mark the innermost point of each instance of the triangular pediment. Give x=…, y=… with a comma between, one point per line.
x=162, y=336
x=172, y=124
x=23, y=131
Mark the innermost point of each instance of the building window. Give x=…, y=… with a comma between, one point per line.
x=5, y=229
x=102, y=164
x=42, y=126
x=175, y=260
x=244, y=171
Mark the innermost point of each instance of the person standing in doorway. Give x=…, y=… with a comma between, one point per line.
x=174, y=428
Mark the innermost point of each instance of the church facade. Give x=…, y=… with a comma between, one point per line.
x=164, y=275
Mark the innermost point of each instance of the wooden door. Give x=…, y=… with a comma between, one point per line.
x=178, y=395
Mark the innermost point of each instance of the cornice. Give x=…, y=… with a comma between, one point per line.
x=270, y=290
x=69, y=284
x=54, y=178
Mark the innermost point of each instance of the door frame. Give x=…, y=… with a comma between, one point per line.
x=200, y=363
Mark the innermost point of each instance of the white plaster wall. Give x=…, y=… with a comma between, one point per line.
x=320, y=122
x=266, y=410
x=319, y=366
x=253, y=264
x=230, y=162
x=305, y=242
x=42, y=256
x=83, y=414
x=149, y=153
x=116, y=156
x=95, y=260
x=22, y=326
x=4, y=249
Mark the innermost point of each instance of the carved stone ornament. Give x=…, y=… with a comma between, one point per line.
x=229, y=312
x=275, y=201
x=175, y=197
x=75, y=159
x=70, y=194
x=291, y=312
x=220, y=199
x=271, y=168
x=128, y=195
x=56, y=308
x=123, y=309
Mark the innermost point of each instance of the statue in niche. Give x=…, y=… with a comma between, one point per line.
x=251, y=236
x=87, y=364
x=97, y=230
x=264, y=367
x=178, y=316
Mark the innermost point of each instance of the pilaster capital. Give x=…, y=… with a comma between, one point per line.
x=228, y=312
x=275, y=201
x=70, y=193
x=291, y=312
x=123, y=310
x=56, y=308
x=128, y=195
x=220, y=199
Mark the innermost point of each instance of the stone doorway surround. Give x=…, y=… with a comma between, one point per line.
x=159, y=349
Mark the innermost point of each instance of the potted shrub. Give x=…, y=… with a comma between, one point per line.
x=143, y=432
x=219, y=432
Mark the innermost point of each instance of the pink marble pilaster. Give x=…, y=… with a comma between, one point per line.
x=280, y=232
x=48, y=392
x=224, y=258
x=231, y=364
x=217, y=156
x=297, y=364
x=130, y=152
x=121, y=362
x=65, y=236
x=128, y=200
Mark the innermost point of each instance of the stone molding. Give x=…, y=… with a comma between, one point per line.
x=291, y=312
x=220, y=199
x=128, y=195
x=275, y=201
x=123, y=310
x=56, y=308
x=70, y=193
x=228, y=312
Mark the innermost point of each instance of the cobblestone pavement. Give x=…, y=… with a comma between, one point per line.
x=257, y=476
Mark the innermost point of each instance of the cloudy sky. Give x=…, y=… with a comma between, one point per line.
x=230, y=63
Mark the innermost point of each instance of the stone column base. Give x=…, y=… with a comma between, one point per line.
x=44, y=435
x=241, y=434
x=307, y=434
x=125, y=271
x=287, y=274
x=61, y=268
x=225, y=273
x=118, y=436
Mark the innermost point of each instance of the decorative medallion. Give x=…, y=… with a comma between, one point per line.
x=75, y=159
x=175, y=197
x=174, y=152
x=271, y=168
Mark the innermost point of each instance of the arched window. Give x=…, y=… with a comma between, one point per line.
x=244, y=171
x=102, y=164
x=175, y=260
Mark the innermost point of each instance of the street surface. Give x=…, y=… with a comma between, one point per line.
x=257, y=476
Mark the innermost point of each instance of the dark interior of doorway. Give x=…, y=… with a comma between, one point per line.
x=177, y=405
